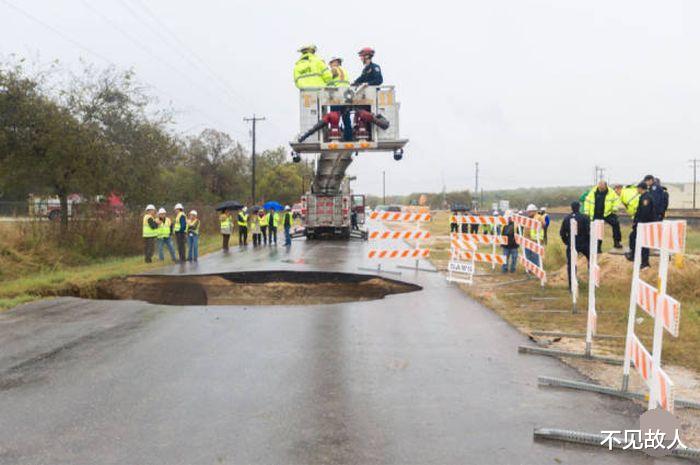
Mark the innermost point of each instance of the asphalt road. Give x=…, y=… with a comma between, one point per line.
x=429, y=377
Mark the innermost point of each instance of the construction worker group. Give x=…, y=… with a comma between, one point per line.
x=158, y=230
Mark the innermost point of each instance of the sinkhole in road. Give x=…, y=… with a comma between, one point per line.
x=251, y=288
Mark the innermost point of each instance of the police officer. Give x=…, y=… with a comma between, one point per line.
x=583, y=235
x=646, y=213
x=371, y=73
x=658, y=194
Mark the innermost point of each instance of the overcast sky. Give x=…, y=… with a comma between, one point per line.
x=538, y=92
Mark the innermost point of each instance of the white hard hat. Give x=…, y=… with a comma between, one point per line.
x=161, y=210
x=150, y=206
x=336, y=59
x=245, y=209
x=179, y=205
x=286, y=207
x=193, y=212
x=495, y=213
x=531, y=208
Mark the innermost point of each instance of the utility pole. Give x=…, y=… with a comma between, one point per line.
x=476, y=181
x=383, y=187
x=253, y=120
x=694, y=161
x=599, y=174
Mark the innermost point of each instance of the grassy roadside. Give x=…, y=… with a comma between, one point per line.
x=62, y=279
x=529, y=307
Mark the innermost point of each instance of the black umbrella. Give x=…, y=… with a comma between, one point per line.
x=229, y=205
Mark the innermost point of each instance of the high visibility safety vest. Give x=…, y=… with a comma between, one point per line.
x=311, y=71
x=537, y=234
x=611, y=201
x=178, y=227
x=242, y=219
x=264, y=220
x=148, y=231
x=629, y=198
x=342, y=79
x=453, y=219
x=226, y=224
x=273, y=219
x=193, y=228
x=164, y=228
x=291, y=219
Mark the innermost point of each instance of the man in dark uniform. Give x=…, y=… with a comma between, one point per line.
x=371, y=73
x=658, y=194
x=646, y=213
x=583, y=235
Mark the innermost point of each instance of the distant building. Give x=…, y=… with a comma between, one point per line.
x=681, y=195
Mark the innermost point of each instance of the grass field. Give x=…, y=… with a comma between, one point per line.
x=529, y=306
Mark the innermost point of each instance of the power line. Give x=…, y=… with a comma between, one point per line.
x=694, y=161
x=85, y=48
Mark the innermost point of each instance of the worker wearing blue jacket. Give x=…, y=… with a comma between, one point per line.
x=371, y=73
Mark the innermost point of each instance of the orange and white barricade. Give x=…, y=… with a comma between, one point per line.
x=464, y=246
x=534, y=246
x=573, y=254
x=596, y=234
x=668, y=237
x=410, y=241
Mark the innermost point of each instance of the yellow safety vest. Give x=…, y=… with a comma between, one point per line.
x=453, y=219
x=536, y=234
x=342, y=79
x=193, y=228
x=291, y=219
x=629, y=198
x=264, y=220
x=148, y=231
x=311, y=71
x=164, y=229
x=226, y=224
x=276, y=219
x=242, y=219
x=177, y=227
x=611, y=201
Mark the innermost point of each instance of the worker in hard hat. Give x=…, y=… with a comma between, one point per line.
x=150, y=232
x=536, y=234
x=341, y=78
x=165, y=230
x=310, y=70
x=264, y=220
x=372, y=72
x=180, y=230
x=226, y=228
x=242, y=221
x=287, y=222
x=629, y=198
x=193, y=232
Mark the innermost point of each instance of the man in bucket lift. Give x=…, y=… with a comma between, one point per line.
x=371, y=73
x=310, y=70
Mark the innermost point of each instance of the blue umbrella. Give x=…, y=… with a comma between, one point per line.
x=272, y=205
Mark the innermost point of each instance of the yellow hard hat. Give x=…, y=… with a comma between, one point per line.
x=304, y=48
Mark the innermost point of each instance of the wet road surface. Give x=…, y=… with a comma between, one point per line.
x=429, y=377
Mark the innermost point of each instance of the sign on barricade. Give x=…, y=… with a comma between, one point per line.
x=596, y=234
x=667, y=237
x=405, y=250
x=533, y=262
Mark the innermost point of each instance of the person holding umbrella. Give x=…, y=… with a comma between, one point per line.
x=226, y=228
